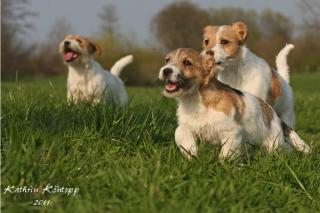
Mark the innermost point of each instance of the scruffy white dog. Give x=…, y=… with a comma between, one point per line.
x=87, y=80
x=218, y=113
x=247, y=72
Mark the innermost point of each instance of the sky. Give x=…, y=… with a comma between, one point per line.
x=134, y=15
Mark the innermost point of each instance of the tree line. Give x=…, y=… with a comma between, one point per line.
x=179, y=24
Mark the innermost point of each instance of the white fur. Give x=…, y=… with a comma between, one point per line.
x=282, y=64
x=195, y=120
x=88, y=81
x=93, y=83
x=252, y=74
x=120, y=64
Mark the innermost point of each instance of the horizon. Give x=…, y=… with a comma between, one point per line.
x=131, y=19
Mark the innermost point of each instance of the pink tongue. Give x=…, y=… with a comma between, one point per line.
x=171, y=86
x=68, y=56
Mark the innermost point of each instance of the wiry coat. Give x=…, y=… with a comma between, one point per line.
x=245, y=71
x=217, y=113
x=87, y=80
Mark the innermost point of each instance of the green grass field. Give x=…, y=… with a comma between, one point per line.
x=125, y=160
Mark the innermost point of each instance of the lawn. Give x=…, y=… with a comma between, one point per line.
x=125, y=160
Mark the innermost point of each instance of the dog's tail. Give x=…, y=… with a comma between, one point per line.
x=294, y=139
x=281, y=62
x=120, y=64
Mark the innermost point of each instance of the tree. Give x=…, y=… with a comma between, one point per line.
x=52, y=63
x=180, y=24
x=14, y=24
x=109, y=19
x=311, y=14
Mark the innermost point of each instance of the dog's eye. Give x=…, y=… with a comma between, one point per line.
x=206, y=42
x=79, y=41
x=167, y=60
x=224, y=41
x=186, y=62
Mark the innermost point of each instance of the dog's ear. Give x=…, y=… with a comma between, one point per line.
x=209, y=68
x=241, y=30
x=94, y=48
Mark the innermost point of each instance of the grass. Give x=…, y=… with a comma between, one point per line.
x=125, y=160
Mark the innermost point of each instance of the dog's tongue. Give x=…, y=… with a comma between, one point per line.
x=171, y=86
x=68, y=56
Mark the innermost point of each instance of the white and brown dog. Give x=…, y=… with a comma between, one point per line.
x=247, y=72
x=87, y=80
x=217, y=113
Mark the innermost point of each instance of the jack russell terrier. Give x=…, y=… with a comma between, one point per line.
x=87, y=80
x=218, y=114
x=245, y=71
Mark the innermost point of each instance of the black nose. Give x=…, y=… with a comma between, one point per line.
x=167, y=71
x=210, y=52
x=66, y=43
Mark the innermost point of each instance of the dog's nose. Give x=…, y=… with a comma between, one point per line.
x=167, y=72
x=66, y=43
x=210, y=52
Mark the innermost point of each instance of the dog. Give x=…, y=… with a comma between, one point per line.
x=87, y=80
x=216, y=113
x=247, y=72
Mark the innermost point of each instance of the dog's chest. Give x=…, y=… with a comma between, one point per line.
x=84, y=84
x=204, y=123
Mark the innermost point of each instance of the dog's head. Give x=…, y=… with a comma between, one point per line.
x=224, y=43
x=184, y=72
x=77, y=49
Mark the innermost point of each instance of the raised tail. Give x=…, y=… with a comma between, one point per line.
x=294, y=139
x=120, y=64
x=281, y=62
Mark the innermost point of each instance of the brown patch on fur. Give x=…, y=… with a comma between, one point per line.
x=241, y=30
x=223, y=98
x=208, y=64
x=214, y=93
x=275, y=88
x=209, y=36
x=193, y=56
x=267, y=112
x=234, y=44
x=234, y=35
x=84, y=42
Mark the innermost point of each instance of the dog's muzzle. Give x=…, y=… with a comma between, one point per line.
x=69, y=54
x=173, y=82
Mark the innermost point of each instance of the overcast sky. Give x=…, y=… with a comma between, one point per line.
x=134, y=15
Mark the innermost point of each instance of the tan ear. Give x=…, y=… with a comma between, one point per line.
x=241, y=29
x=209, y=68
x=94, y=48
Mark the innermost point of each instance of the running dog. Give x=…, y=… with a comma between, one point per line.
x=245, y=71
x=216, y=113
x=87, y=80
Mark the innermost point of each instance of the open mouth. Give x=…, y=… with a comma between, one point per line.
x=171, y=86
x=219, y=63
x=70, y=55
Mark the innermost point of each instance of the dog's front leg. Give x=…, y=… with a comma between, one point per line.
x=186, y=141
x=231, y=145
